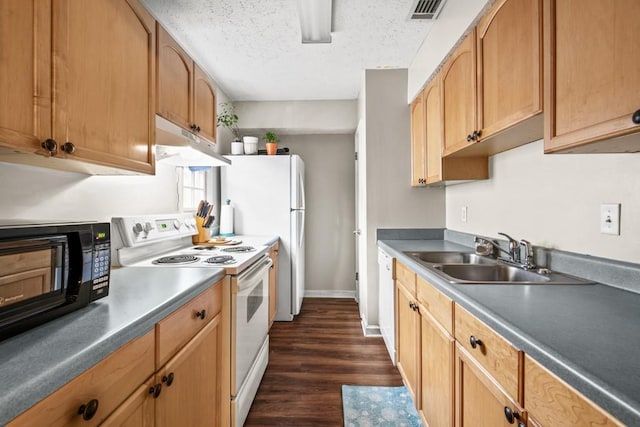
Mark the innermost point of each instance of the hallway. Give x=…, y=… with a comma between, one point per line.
x=310, y=358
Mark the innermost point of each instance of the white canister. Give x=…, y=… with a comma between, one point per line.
x=226, y=219
x=250, y=144
x=237, y=147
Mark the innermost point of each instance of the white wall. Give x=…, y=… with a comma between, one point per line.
x=554, y=200
x=37, y=193
x=456, y=18
x=329, y=216
x=391, y=202
x=297, y=117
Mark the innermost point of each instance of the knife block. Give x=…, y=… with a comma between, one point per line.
x=204, y=234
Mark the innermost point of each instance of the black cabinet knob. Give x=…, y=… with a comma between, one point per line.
x=636, y=117
x=197, y=128
x=168, y=379
x=476, y=135
x=474, y=341
x=68, y=147
x=469, y=138
x=89, y=409
x=201, y=314
x=511, y=415
x=50, y=145
x=155, y=390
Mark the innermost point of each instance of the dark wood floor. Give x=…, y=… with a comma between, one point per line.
x=309, y=360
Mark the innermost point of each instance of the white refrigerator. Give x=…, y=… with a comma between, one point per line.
x=267, y=193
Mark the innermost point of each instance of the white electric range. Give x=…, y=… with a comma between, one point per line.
x=164, y=241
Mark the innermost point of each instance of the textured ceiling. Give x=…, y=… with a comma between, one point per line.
x=253, y=50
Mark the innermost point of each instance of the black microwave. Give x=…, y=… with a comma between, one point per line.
x=49, y=269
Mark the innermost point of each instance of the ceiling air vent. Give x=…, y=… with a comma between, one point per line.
x=427, y=9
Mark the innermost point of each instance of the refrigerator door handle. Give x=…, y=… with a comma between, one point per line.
x=301, y=231
x=301, y=184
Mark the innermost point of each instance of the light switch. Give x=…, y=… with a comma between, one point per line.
x=463, y=214
x=610, y=218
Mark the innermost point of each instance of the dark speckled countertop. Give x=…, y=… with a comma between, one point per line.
x=41, y=360
x=588, y=335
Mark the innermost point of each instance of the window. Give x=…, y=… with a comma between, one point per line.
x=195, y=187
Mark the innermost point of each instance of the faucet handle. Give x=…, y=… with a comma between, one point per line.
x=514, y=247
x=511, y=239
x=528, y=253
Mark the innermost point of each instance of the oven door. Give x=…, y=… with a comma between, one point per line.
x=251, y=316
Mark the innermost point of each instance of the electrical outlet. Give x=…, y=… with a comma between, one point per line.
x=463, y=214
x=610, y=219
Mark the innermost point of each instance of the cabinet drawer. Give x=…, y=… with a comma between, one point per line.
x=494, y=353
x=175, y=330
x=553, y=402
x=438, y=304
x=109, y=382
x=406, y=277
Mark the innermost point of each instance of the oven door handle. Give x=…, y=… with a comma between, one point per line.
x=246, y=278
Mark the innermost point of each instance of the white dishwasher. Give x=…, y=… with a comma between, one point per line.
x=386, y=304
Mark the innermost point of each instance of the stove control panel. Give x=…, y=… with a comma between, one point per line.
x=140, y=230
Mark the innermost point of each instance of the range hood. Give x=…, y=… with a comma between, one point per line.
x=179, y=147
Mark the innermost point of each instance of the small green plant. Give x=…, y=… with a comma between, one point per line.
x=270, y=137
x=229, y=119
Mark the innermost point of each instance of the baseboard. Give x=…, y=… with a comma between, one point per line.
x=329, y=294
x=370, y=330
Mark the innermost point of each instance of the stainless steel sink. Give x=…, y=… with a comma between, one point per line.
x=499, y=273
x=449, y=258
x=465, y=268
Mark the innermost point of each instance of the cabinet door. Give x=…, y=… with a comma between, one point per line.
x=137, y=411
x=104, y=80
x=437, y=372
x=509, y=65
x=175, y=81
x=191, y=382
x=25, y=67
x=592, y=75
x=433, y=131
x=459, y=96
x=480, y=402
x=204, y=104
x=418, y=148
x=408, y=341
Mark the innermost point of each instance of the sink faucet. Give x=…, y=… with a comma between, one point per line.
x=528, y=255
x=514, y=248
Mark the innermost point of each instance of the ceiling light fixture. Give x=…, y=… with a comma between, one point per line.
x=315, y=20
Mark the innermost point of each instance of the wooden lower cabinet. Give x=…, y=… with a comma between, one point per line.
x=480, y=401
x=126, y=389
x=554, y=403
x=191, y=391
x=408, y=336
x=137, y=411
x=436, y=372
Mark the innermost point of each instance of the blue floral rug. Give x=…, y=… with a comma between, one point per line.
x=365, y=406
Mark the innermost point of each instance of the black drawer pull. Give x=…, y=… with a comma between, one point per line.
x=201, y=314
x=474, y=341
x=89, y=409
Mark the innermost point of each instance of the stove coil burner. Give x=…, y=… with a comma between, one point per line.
x=239, y=249
x=204, y=248
x=176, y=259
x=220, y=259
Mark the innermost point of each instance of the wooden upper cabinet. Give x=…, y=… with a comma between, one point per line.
x=204, y=104
x=97, y=59
x=25, y=67
x=186, y=97
x=104, y=82
x=510, y=71
x=433, y=130
x=418, y=147
x=175, y=81
x=592, y=76
x=459, y=96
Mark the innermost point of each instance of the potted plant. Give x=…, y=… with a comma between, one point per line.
x=271, y=139
x=228, y=118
